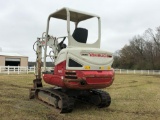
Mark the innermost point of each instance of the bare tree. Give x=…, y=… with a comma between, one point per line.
x=155, y=37
x=143, y=52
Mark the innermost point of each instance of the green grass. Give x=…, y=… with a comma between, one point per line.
x=133, y=97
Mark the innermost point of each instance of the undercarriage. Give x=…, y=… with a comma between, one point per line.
x=64, y=99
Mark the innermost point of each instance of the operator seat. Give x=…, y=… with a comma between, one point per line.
x=80, y=35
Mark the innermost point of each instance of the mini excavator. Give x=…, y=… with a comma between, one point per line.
x=80, y=69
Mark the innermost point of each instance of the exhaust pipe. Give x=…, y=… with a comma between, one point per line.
x=83, y=82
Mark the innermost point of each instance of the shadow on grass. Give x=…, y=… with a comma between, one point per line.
x=86, y=107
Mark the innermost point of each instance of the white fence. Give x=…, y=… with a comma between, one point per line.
x=19, y=69
x=26, y=70
x=16, y=70
x=145, y=72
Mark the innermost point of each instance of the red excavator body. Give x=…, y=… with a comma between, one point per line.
x=79, y=79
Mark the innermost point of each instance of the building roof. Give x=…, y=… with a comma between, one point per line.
x=11, y=54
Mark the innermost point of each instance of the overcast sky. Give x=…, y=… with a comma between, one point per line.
x=22, y=21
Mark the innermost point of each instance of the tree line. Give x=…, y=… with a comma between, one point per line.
x=143, y=52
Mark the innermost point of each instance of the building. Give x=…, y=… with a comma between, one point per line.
x=13, y=59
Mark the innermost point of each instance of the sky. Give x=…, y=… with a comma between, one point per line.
x=22, y=21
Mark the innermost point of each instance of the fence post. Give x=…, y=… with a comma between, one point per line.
x=14, y=69
x=134, y=71
x=18, y=69
x=27, y=69
x=141, y=71
x=127, y=71
x=34, y=69
x=153, y=72
x=8, y=69
x=148, y=72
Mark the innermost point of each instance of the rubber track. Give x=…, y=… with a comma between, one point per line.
x=105, y=98
x=67, y=102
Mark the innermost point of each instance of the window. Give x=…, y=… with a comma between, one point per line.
x=73, y=63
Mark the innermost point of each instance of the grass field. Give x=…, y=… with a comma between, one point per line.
x=134, y=97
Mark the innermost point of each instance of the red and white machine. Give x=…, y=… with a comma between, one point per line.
x=80, y=69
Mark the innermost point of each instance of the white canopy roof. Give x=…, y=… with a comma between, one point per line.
x=75, y=15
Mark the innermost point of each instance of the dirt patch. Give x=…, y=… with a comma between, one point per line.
x=133, y=81
x=134, y=112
